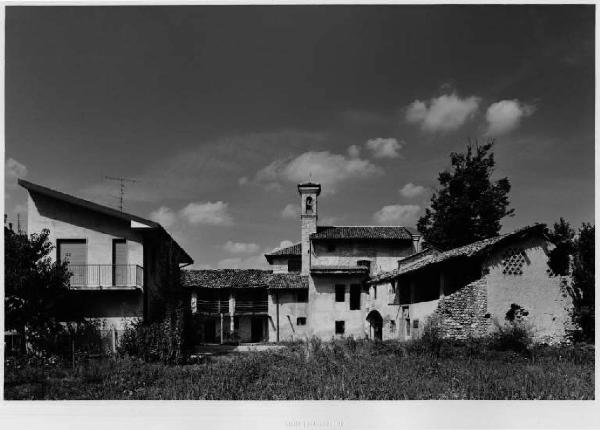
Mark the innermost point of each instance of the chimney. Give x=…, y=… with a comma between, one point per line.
x=308, y=219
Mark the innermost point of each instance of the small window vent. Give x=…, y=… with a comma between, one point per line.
x=513, y=262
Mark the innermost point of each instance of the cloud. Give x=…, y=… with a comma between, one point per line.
x=210, y=213
x=397, y=214
x=243, y=181
x=387, y=147
x=354, y=151
x=330, y=170
x=240, y=247
x=285, y=244
x=443, y=113
x=506, y=115
x=164, y=216
x=13, y=170
x=252, y=262
x=411, y=190
x=290, y=211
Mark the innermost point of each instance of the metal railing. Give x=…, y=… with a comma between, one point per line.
x=106, y=275
x=214, y=306
x=252, y=306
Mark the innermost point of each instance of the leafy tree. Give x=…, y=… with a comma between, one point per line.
x=583, y=280
x=469, y=205
x=563, y=236
x=574, y=255
x=34, y=284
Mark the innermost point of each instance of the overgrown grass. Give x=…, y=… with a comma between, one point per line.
x=350, y=369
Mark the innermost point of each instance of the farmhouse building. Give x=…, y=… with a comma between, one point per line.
x=381, y=283
x=123, y=267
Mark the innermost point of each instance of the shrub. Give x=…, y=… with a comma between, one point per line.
x=160, y=341
x=513, y=336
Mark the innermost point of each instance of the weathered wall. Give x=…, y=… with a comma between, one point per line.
x=384, y=255
x=463, y=313
x=541, y=295
x=279, y=265
x=72, y=222
x=382, y=302
x=324, y=310
x=289, y=310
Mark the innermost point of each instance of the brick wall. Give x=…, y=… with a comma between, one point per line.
x=463, y=313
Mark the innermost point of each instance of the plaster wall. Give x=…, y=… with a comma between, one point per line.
x=289, y=311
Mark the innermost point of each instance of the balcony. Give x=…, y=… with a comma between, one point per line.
x=106, y=276
x=241, y=307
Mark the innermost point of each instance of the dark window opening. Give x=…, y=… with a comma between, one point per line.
x=340, y=327
x=236, y=323
x=302, y=296
x=375, y=291
x=355, y=297
x=415, y=324
x=294, y=265
x=364, y=263
x=340, y=293
x=392, y=326
x=330, y=247
x=309, y=205
x=301, y=321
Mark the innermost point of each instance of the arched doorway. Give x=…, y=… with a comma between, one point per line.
x=375, y=325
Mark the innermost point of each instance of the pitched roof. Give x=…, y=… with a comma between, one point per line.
x=467, y=251
x=362, y=232
x=289, y=251
x=243, y=278
x=39, y=189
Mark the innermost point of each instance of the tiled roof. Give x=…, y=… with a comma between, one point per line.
x=295, y=249
x=467, y=251
x=242, y=278
x=362, y=232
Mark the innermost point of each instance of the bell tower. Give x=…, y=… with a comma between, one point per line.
x=309, y=192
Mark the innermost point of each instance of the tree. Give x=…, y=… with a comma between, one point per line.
x=469, y=205
x=583, y=281
x=574, y=255
x=34, y=284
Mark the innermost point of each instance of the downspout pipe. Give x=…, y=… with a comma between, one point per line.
x=277, y=297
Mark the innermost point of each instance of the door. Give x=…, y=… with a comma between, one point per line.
x=210, y=329
x=257, y=329
x=119, y=268
x=376, y=325
x=75, y=252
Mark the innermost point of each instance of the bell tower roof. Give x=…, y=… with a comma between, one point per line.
x=309, y=187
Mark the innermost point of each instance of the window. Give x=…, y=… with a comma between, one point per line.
x=415, y=324
x=301, y=321
x=340, y=327
x=340, y=293
x=513, y=261
x=330, y=247
x=294, y=265
x=194, y=302
x=355, y=297
x=236, y=323
x=75, y=252
x=375, y=292
x=302, y=296
x=309, y=205
x=392, y=326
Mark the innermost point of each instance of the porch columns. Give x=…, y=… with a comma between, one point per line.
x=231, y=312
x=221, y=328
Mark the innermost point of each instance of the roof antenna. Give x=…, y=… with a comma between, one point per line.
x=122, y=182
x=309, y=176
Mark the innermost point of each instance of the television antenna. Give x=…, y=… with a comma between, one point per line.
x=122, y=182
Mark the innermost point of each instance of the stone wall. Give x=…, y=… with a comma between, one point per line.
x=464, y=314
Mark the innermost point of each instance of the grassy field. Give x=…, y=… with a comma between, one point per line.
x=340, y=370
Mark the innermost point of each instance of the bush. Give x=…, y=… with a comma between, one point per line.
x=432, y=339
x=156, y=342
x=514, y=336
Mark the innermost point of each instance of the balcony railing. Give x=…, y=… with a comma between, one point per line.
x=216, y=306
x=106, y=276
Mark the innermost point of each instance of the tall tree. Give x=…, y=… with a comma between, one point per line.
x=468, y=206
x=583, y=281
x=34, y=284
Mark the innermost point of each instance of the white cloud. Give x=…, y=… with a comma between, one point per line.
x=243, y=180
x=443, y=113
x=324, y=167
x=164, y=216
x=387, y=147
x=13, y=170
x=240, y=247
x=285, y=244
x=252, y=262
x=397, y=214
x=354, y=151
x=328, y=220
x=411, y=190
x=291, y=211
x=506, y=115
x=216, y=213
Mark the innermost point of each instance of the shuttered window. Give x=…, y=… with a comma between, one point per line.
x=75, y=252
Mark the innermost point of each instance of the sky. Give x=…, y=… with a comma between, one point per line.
x=218, y=112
